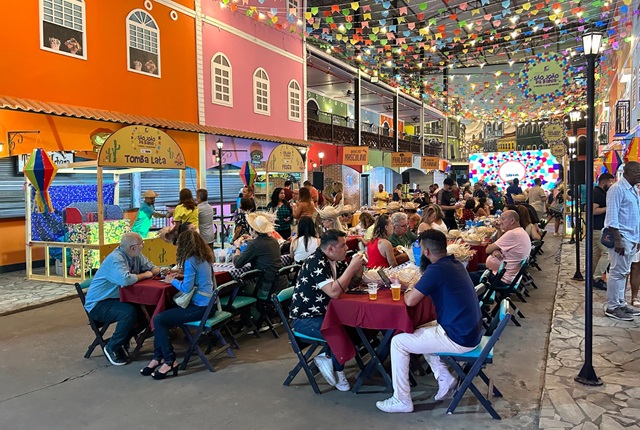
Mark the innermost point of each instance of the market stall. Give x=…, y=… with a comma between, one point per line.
x=94, y=225
x=283, y=160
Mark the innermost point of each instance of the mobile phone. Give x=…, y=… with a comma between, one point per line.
x=385, y=278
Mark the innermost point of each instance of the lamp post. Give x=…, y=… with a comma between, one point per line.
x=220, y=144
x=591, y=44
x=321, y=156
x=303, y=154
x=574, y=115
x=572, y=157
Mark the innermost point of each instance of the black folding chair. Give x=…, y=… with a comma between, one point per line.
x=265, y=306
x=210, y=324
x=470, y=364
x=504, y=292
x=299, y=342
x=245, y=299
x=239, y=305
x=99, y=328
x=536, y=247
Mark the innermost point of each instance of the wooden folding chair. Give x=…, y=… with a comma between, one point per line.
x=207, y=324
x=99, y=328
x=470, y=364
x=299, y=342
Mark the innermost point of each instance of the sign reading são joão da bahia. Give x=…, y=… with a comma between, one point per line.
x=140, y=146
x=545, y=77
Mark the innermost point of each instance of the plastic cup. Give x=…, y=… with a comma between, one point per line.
x=395, y=292
x=372, y=288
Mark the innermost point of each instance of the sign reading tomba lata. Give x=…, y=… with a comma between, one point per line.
x=401, y=159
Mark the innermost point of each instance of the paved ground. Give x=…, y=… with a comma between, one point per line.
x=17, y=293
x=45, y=382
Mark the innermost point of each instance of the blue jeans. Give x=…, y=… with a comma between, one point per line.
x=125, y=314
x=311, y=327
x=165, y=321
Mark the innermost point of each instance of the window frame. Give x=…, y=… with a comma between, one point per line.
x=266, y=81
x=127, y=22
x=43, y=47
x=293, y=4
x=215, y=65
x=297, y=91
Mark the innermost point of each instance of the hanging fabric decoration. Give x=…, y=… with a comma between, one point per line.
x=40, y=171
x=633, y=150
x=612, y=161
x=248, y=174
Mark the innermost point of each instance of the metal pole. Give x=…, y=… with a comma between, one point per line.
x=587, y=374
x=577, y=211
x=222, y=239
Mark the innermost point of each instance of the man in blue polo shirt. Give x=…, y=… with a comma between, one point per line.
x=458, y=329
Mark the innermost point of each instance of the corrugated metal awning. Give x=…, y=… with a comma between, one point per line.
x=27, y=105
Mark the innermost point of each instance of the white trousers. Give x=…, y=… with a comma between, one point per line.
x=425, y=340
x=618, y=272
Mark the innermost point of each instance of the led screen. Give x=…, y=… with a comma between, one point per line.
x=500, y=167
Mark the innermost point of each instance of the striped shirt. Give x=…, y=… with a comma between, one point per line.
x=623, y=210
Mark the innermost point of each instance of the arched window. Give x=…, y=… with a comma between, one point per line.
x=143, y=42
x=294, y=101
x=62, y=27
x=313, y=110
x=221, y=80
x=261, y=103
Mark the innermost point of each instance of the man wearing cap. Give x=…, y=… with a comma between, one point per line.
x=146, y=212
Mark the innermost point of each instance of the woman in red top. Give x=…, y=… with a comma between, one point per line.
x=379, y=249
x=467, y=212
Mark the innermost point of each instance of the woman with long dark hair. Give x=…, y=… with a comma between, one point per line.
x=306, y=242
x=284, y=214
x=305, y=206
x=185, y=214
x=195, y=257
x=380, y=250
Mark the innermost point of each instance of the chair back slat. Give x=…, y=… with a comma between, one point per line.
x=250, y=279
x=275, y=298
x=230, y=289
x=285, y=294
x=80, y=292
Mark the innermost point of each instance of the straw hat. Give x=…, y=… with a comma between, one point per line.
x=150, y=194
x=393, y=207
x=261, y=222
x=347, y=209
x=328, y=212
x=410, y=206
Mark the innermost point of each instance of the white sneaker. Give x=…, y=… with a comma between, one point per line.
x=343, y=383
x=393, y=405
x=326, y=368
x=447, y=385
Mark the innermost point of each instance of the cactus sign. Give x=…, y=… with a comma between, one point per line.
x=141, y=146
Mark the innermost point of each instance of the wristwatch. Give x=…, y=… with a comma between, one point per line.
x=408, y=289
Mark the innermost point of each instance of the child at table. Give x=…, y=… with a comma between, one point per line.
x=195, y=257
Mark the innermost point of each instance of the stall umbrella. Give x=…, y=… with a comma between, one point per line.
x=40, y=171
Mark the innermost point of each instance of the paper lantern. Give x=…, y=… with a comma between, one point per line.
x=40, y=171
x=248, y=174
x=612, y=161
x=633, y=151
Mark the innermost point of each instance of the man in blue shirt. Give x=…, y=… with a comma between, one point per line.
x=123, y=267
x=513, y=190
x=458, y=329
x=623, y=220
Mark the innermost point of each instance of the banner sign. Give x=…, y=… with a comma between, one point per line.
x=545, y=77
x=141, y=146
x=603, y=136
x=429, y=163
x=401, y=159
x=355, y=155
x=285, y=158
x=553, y=133
x=623, y=117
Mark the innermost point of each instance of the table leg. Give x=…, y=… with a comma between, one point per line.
x=146, y=333
x=378, y=356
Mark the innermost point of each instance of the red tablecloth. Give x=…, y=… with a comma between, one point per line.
x=356, y=310
x=352, y=242
x=151, y=292
x=479, y=257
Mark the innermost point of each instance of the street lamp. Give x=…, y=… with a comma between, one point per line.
x=321, y=156
x=591, y=44
x=572, y=157
x=220, y=145
x=303, y=154
x=574, y=115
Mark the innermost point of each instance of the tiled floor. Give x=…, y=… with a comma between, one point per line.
x=17, y=293
x=567, y=404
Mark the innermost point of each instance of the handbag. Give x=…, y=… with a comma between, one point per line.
x=607, y=238
x=183, y=299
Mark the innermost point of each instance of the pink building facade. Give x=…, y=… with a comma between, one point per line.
x=253, y=73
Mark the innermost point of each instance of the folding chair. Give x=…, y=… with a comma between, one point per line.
x=536, y=248
x=470, y=364
x=207, y=324
x=305, y=360
x=486, y=293
x=245, y=299
x=99, y=328
x=265, y=306
x=503, y=293
x=237, y=304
